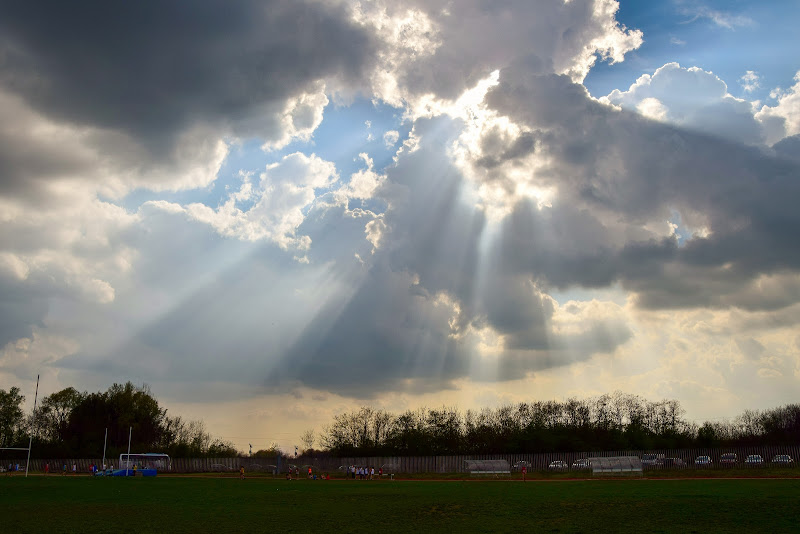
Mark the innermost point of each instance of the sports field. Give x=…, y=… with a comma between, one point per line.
x=200, y=504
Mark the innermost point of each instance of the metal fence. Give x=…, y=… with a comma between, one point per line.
x=666, y=459
x=542, y=461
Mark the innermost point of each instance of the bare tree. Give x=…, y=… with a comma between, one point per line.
x=308, y=438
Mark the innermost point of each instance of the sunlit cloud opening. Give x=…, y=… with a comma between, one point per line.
x=497, y=157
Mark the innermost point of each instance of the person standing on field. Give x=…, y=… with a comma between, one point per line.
x=46, y=469
x=241, y=472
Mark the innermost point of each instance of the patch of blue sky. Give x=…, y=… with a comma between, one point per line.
x=358, y=128
x=727, y=37
x=345, y=132
x=242, y=156
x=614, y=293
x=682, y=233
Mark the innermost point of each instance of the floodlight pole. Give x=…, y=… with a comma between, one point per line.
x=33, y=424
x=105, y=440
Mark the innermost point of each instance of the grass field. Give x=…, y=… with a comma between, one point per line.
x=197, y=504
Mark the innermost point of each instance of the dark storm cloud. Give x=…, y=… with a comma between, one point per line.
x=20, y=310
x=151, y=68
x=615, y=172
x=558, y=246
x=561, y=350
x=386, y=335
x=788, y=147
x=522, y=146
x=28, y=159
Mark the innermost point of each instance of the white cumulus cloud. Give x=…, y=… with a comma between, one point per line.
x=782, y=119
x=693, y=98
x=750, y=81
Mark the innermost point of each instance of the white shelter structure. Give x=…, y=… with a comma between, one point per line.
x=616, y=465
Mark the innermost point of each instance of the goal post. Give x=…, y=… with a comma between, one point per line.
x=31, y=430
x=4, y=467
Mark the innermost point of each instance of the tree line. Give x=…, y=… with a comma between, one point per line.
x=615, y=421
x=72, y=424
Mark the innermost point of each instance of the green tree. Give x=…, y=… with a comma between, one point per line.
x=11, y=416
x=53, y=415
x=221, y=449
x=273, y=451
x=122, y=407
x=707, y=435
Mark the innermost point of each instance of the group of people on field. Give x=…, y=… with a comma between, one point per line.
x=363, y=473
x=93, y=468
x=11, y=468
x=311, y=474
x=64, y=469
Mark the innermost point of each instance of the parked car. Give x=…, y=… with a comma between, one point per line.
x=703, y=461
x=673, y=463
x=582, y=463
x=728, y=459
x=782, y=459
x=652, y=460
x=754, y=460
x=558, y=465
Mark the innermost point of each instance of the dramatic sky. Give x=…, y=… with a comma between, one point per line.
x=273, y=211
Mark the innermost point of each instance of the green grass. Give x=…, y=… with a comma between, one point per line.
x=172, y=504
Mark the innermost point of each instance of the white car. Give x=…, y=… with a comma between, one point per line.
x=703, y=461
x=782, y=459
x=652, y=460
x=754, y=459
x=558, y=465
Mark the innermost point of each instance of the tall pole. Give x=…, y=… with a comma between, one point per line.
x=128, y=463
x=33, y=424
x=105, y=440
